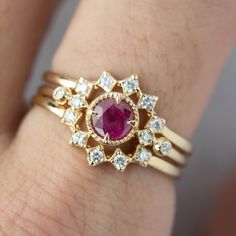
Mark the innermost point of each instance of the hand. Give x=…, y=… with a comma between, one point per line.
x=47, y=187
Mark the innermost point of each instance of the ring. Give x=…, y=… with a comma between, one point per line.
x=115, y=122
x=65, y=81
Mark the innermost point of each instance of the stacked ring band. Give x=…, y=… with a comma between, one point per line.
x=113, y=121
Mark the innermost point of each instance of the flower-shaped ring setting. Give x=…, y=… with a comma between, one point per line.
x=113, y=120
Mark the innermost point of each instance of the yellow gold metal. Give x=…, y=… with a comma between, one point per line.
x=174, y=155
x=177, y=140
x=164, y=167
x=49, y=104
x=90, y=111
x=68, y=82
x=75, y=100
x=58, y=79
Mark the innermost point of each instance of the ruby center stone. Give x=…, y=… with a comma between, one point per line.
x=111, y=118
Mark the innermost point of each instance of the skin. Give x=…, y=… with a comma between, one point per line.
x=47, y=187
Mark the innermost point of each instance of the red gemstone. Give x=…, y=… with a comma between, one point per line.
x=111, y=118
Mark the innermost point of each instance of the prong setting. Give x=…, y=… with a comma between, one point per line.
x=106, y=81
x=70, y=117
x=96, y=155
x=156, y=124
x=119, y=160
x=145, y=137
x=130, y=85
x=83, y=87
x=142, y=155
x=79, y=139
x=62, y=95
x=147, y=102
x=123, y=113
x=162, y=146
x=105, y=97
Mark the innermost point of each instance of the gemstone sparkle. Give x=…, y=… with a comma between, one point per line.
x=61, y=94
x=156, y=124
x=145, y=137
x=70, y=116
x=119, y=160
x=78, y=101
x=95, y=156
x=106, y=81
x=130, y=85
x=83, y=87
x=163, y=146
x=79, y=138
x=147, y=102
x=142, y=155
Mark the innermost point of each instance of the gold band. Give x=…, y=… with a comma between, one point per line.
x=179, y=141
x=184, y=145
x=107, y=113
x=155, y=162
x=173, y=155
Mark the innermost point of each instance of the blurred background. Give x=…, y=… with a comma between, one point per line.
x=215, y=156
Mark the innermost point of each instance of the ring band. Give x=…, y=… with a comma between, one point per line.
x=157, y=163
x=183, y=144
x=174, y=156
x=114, y=113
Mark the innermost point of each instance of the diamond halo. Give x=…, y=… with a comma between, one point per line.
x=119, y=115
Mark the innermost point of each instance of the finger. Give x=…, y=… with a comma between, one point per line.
x=22, y=24
x=124, y=46
x=173, y=63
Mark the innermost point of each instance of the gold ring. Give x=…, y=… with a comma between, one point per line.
x=183, y=144
x=158, y=164
x=173, y=155
x=114, y=122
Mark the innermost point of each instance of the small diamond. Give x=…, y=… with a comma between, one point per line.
x=70, y=116
x=147, y=102
x=156, y=124
x=79, y=138
x=142, y=155
x=145, y=137
x=61, y=94
x=163, y=146
x=95, y=156
x=83, y=87
x=78, y=102
x=130, y=85
x=119, y=160
x=106, y=81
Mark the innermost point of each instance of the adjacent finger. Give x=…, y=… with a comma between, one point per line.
x=22, y=24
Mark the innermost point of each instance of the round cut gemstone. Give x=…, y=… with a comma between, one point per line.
x=112, y=119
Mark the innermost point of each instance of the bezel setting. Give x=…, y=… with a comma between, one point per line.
x=61, y=95
x=80, y=102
